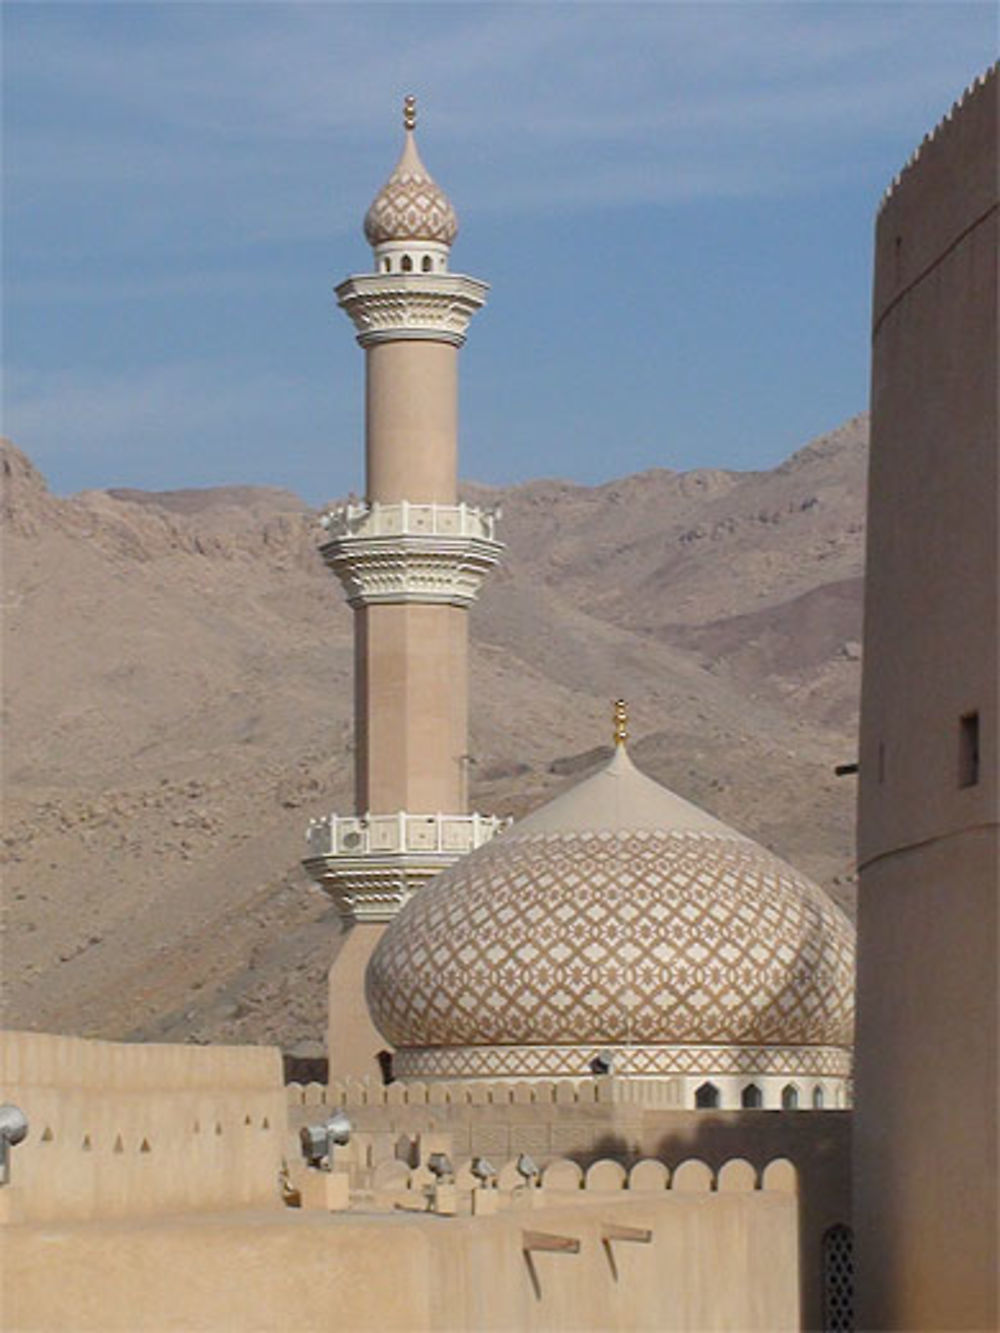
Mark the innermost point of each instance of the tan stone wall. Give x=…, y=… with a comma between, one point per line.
x=411, y=708
x=928, y=999
x=412, y=421
x=713, y=1261
x=595, y=1119
x=122, y=1130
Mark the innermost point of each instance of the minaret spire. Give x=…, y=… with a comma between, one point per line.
x=621, y=722
x=411, y=559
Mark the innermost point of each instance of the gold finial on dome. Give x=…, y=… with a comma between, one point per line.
x=621, y=721
x=409, y=113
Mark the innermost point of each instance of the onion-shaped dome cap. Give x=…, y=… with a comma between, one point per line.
x=410, y=205
x=617, y=914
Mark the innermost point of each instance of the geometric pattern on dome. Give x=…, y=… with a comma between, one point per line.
x=410, y=205
x=461, y=1062
x=642, y=938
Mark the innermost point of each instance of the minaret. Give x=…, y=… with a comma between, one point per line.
x=411, y=559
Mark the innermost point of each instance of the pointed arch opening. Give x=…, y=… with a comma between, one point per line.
x=707, y=1098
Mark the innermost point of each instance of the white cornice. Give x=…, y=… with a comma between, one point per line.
x=411, y=567
x=387, y=307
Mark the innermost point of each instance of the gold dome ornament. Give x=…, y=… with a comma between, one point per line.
x=621, y=721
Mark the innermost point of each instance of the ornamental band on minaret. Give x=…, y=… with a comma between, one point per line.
x=411, y=559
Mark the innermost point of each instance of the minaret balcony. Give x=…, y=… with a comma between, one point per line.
x=386, y=307
x=408, y=519
x=370, y=865
x=410, y=552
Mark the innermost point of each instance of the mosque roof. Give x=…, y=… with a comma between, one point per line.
x=410, y=205
x=617, y=915
x=620, y=798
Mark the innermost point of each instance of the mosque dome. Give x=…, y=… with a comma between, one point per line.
x=410, y=205
x=618, y=917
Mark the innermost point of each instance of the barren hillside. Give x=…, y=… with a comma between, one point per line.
x=177, y=703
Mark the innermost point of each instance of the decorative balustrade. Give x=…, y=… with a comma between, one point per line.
x=400, y=833
x=407, y=552
x=407, y=519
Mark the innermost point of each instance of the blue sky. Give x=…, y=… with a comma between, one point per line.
x=673, y=203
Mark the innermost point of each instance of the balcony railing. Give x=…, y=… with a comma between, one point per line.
x=401, y=833
x=407, y=519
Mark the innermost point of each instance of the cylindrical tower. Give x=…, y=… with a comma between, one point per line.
x=411, y=559
x=927, y=1107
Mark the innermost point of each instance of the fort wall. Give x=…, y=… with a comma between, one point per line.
x=680, y=1259
x=118, y=1130
x=635, y=1123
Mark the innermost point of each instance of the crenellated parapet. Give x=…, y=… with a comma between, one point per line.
x=978, y=88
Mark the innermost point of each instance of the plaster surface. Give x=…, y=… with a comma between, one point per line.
x=928, y=1001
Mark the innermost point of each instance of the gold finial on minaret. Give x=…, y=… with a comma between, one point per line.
x=409, y=113
x=621, y=721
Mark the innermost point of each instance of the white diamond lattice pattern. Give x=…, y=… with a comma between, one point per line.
x=638, y=938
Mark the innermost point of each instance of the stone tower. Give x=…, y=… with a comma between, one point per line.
x=411, y=559
x=928, y=1031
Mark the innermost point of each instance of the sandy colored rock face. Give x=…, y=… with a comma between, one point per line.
x=178, y=695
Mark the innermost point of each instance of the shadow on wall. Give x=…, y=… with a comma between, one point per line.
x=819, y=1144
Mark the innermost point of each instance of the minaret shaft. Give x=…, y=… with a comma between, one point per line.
x=411, y=437
x=411, y=708
x=410, y=672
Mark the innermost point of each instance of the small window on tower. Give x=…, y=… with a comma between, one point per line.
x=968, y=750
x=425, y=263
x=407, y=265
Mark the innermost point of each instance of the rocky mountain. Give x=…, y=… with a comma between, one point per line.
x=177, y=705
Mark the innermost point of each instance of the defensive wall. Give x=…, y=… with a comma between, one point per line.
x=928, y=1025
x=128, y=1130
x=643, y=1257
x=151, y=1193
x=589, y=1121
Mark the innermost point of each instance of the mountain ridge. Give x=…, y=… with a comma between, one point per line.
x=178, y=703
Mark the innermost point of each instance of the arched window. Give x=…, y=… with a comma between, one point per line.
x=407, y=264
x=789, y=1097
x=425, y=263
x=838, y=1280
x=706, y=1097
x=818, y=1098
x=387, y=265
x=751, y=1097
